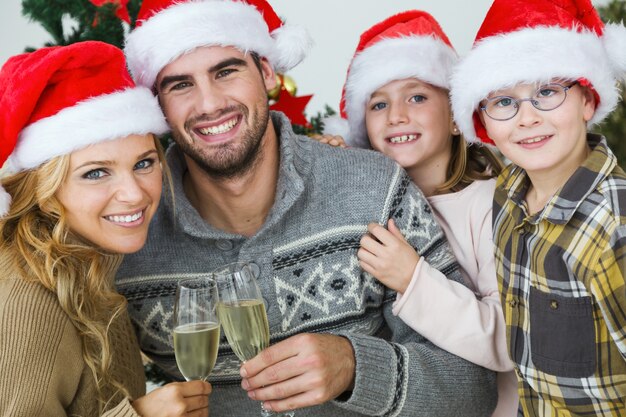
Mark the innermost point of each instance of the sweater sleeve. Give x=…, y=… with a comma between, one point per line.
x=123, y=409
x=469, y=325
x=405, y=374
x=37, y=377
x=41, y=363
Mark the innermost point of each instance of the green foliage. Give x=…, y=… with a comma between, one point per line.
x=614, y=126
x=317, y=124
x=91, y=22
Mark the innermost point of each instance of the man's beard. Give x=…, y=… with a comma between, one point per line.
x=229, y=160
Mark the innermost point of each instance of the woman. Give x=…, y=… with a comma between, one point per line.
x=82, y=180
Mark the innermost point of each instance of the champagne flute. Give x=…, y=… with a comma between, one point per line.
x=242, y=314
x=196, y=328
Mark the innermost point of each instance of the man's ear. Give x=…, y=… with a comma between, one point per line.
x=268, y=73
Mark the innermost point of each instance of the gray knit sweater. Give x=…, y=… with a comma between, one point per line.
x=305, y=257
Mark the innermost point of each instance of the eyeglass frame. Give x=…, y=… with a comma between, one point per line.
x=518, y=101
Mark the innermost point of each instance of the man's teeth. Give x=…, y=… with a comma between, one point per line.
x=223, y=128
x=125, y=219
x=535, y=140
x=403, y=138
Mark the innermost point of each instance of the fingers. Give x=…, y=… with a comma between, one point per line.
x=193, y=388
x=323, y=369
x=197, y=402
x=268, y=357
x=281, y=371
x=393, y=228
x=305, y=399
x=282, y=390
x=366, y=257
x=367, y=267
x=333, y=140
x=383, y=235
x=176, y=399
x=198, y=413
x=337, y=141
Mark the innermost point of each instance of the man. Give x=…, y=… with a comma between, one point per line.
x=246, y=188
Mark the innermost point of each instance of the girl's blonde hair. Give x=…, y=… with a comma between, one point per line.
x=80, y=275
x=469, y=163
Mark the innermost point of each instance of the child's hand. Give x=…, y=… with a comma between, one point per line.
x=388, y=256
x=336, y=141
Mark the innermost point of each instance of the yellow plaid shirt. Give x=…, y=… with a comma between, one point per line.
x=561, y=274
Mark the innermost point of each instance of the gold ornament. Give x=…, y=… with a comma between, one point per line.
x=283, y=82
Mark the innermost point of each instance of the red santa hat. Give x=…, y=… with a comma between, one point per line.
x=407, y=45
x=167, y=29
x=60, y=99
x=528, y=41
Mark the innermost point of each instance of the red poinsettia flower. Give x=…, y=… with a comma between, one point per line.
x=121, y=11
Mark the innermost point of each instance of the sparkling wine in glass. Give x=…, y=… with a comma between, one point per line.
x=242, y=314
x=197, y=328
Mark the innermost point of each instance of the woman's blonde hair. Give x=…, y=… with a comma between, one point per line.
x=469, y=163
x=81, y=275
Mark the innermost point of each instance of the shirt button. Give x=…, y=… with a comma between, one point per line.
x=513, y=302
x=519, y=373
x=256, y=270
x=224, y=245
x=554, y=304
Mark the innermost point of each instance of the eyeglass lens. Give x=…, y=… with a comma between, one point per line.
x=547, y=97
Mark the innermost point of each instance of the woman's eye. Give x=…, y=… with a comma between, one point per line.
x=503, y=102
x=94, y=174
x=379, y=106
x=145, y=163
x=418, y=98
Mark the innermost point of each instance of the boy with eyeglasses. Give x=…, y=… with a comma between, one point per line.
x=539, y=74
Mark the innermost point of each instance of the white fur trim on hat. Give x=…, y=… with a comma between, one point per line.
x=336, y=125
x=614, y=38
x=527, y=56
x=106, y=117
x=422, y=57
x=184, y=27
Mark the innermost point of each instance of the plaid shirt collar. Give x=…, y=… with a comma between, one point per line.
x=562, y=206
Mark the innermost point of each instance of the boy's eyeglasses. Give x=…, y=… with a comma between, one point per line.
x=547, y=97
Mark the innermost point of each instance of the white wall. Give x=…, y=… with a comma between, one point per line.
x=335, y=25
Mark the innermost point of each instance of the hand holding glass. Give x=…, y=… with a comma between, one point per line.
x=242, y=313
x=197, y=329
